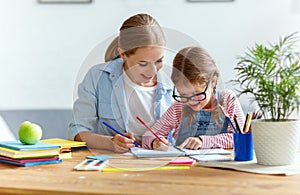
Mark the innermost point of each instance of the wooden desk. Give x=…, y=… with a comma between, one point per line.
x=62, y=179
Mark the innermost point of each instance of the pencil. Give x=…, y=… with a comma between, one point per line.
x=248, y=122
x=119, y=169
x=246, y=119
x=138, y=118
x=237, y=124
x=228, y=118
x=118, y=132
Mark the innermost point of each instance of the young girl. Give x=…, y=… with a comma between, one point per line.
x=127, y=85
x=196, y=115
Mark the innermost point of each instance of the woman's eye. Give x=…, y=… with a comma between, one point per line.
x=143, y=64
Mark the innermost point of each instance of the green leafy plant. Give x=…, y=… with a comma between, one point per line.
x=272, y=75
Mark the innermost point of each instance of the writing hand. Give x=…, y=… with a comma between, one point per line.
x=158, y=145
x=123, y=144
x=192, y=143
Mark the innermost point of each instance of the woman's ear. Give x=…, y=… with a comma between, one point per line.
x=121, y=53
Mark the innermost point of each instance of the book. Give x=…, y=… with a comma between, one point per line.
x=211, y=157
x=175, y=151
x=31, y=163
x=17, y=145
x=64, y=144
x=208, y=151
x=146, y=153
x=17, y=154
x=182, y=161
x=27, y=160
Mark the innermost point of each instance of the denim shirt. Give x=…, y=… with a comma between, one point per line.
x=204, y=124
x=101, y=97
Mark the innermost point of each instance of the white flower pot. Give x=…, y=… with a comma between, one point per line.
x=275, y=143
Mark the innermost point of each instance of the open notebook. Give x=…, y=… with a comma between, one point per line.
x=175, y=151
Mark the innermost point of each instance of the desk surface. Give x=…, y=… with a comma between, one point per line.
x=62, y=179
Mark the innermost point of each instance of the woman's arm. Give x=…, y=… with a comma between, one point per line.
x=115, y=143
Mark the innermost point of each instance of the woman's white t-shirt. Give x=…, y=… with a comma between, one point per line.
x=139, y=103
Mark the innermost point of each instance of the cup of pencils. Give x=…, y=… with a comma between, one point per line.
x=243, y=147
x=242, y=140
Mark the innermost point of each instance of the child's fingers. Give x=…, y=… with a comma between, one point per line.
x=158, y=145
x=192, y=143
x=183, y=145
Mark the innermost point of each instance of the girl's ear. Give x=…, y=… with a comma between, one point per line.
x=214, y=81
x=121, y=53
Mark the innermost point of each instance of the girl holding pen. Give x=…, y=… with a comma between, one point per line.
x=128, y=84
x=196, y=115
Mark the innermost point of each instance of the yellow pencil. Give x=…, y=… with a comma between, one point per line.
x=119, y=169
x=248, y=122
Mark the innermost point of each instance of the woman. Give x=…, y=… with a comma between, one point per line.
x=126, y=86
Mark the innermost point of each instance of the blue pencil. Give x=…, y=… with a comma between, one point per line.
x=228, y=119
x=118, y=132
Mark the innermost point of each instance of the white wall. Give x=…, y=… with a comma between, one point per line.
x=43, y=46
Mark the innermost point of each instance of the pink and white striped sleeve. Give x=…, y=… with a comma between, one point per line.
x=169, y=120
x=225, y=140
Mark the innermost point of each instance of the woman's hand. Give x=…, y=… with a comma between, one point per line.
x=192, y=143
x=158, y=145
x=122, y=144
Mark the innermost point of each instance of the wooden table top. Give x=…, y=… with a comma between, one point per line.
x=62, y=179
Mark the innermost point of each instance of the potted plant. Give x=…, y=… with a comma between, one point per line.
x=271, y=75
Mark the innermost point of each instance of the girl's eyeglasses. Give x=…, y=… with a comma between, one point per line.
x=197, y=97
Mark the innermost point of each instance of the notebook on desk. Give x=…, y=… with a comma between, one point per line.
x=146, y=153
x=208, y=151
x=176, y=151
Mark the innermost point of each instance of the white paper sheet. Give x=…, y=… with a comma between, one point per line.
x=253, y=167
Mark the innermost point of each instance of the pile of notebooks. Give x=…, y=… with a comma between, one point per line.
x=17, y=153
x=66, y=146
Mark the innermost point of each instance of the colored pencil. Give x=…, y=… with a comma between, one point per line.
x=248, y=122
x=228, y=118
x=120, y=133
x=161, y=140
x=237, y=124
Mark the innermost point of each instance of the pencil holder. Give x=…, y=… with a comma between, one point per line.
x=243, y=147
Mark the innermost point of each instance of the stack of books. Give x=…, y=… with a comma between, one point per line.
x=17, y=153
x=66, y=146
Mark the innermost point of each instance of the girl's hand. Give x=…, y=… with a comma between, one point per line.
x=121, y=143
x=192, y=143
x=158, y=145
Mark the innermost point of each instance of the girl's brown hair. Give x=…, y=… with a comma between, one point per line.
x=140, y=30
x=194, y=66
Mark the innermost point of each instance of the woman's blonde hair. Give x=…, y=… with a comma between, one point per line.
x=138, y=31
x=194, y=66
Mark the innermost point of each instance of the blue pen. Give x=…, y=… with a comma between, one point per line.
x=118, y=132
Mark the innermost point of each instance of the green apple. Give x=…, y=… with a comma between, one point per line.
x=30, y=133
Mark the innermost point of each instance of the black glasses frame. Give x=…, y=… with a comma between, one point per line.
x=191, y=97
